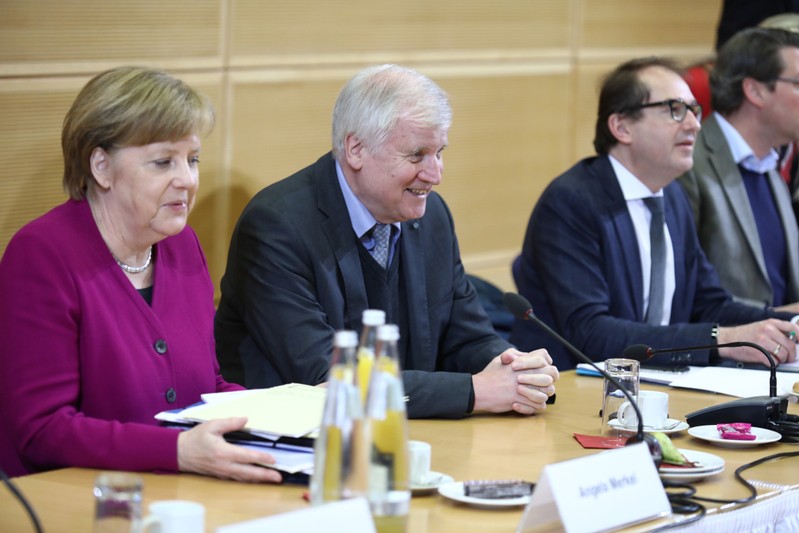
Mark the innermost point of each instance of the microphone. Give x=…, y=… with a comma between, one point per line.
x=521, y=308
x=642, y=352
x=760, y=411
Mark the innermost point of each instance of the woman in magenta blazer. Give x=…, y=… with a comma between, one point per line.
x=106, y=304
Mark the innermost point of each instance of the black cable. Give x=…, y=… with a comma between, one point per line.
x=744, y=482
x=686, y=501
x=15, y=491
x=787, y=426
x=681, y=504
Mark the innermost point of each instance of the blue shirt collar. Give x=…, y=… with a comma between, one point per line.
x=361, y=219
x=742, y=153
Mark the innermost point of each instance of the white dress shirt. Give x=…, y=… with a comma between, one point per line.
x=634, y=192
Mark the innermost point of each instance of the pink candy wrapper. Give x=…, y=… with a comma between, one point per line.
x=736, y=431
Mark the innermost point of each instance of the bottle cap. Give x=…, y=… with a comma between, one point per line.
x=388, y=332
x=346, y=339
x=373, y=317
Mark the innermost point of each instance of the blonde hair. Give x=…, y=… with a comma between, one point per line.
x=128, y=106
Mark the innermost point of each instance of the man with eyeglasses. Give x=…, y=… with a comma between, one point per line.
x=742, y=206
x=611, y=257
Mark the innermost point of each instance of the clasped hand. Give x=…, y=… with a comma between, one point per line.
x=515, y=381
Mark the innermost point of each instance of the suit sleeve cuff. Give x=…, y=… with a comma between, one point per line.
x=470, y=406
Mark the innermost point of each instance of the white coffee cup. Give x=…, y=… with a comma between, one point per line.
x=419, y=459
x=654, y=407
x=175, y=516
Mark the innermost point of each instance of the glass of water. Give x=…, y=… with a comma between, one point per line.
x=627, y=373
x=117, y=497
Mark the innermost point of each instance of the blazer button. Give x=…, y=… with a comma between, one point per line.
x=160, y=346
x=171, y=395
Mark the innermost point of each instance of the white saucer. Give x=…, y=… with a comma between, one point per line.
x=434, y=480
x=677, y=477
x=711, y=434
x=707, y=465
x=454, y=491
x=681, y=426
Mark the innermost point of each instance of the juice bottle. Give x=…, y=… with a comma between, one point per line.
x=389, y=487
x=372, y=319
x=340, y=456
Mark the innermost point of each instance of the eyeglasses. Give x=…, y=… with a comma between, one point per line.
x=678, y=107
x=794, y=81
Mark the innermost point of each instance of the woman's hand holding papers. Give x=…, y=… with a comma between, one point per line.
x=203, y=450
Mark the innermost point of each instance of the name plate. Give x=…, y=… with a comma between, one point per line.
x=603, y=491
x=345, y=516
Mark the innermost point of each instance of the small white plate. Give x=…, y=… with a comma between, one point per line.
x=673, y=424
x=711, y=434
x=434, y=480
x=677, y=477
x=454, y=491
x=706, y=462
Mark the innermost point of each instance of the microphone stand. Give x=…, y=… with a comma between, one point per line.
x=737, y=344
x=522, y=309
x=760, y=411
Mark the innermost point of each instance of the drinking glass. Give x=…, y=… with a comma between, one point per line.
x=627, y=373
x=117, y=497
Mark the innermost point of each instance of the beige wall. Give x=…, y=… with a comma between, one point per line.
x=521, y=75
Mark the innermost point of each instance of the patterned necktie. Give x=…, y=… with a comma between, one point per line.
x=381, y=234
x=657, y=278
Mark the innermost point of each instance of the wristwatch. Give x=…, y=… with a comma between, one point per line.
x=714, y=337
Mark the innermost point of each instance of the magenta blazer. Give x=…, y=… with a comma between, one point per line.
x=85, y=363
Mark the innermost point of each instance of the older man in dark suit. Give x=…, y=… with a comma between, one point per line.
x=362, y=228
x=611, y=257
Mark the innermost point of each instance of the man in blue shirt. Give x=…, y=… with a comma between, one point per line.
x=362, y=228
x=741, y=205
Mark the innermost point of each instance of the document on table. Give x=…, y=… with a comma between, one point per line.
x=291, y=410
x=739, y=382
x=276, y=417
x=291, y=459
x=791, y=367
x=648, y=375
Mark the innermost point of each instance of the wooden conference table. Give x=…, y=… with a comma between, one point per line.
x=481, y=447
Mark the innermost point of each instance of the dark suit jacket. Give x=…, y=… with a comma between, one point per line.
x=580, y=268
x=294, y=277
x=726, y=224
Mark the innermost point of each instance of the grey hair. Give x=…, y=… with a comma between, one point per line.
x=371, y=103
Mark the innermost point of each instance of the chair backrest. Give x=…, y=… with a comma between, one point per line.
x=491, y=298
x=526, y=335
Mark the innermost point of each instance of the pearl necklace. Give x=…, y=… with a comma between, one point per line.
x=136, y=270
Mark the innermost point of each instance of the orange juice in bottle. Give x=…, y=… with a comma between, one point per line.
x=372, y=319
x=341, y=463
x=386, y=418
